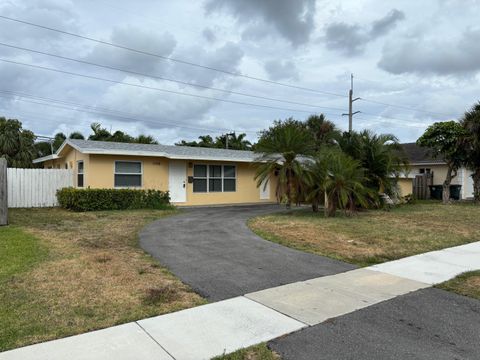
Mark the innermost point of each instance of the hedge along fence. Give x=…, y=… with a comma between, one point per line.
x=112, y=199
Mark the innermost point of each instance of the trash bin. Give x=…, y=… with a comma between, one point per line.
x=455, y=192
x=436, y=192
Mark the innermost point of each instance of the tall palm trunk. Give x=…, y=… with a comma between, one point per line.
x=289, y=188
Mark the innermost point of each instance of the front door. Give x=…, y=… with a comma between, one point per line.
x=265, y=189
x=177, y=184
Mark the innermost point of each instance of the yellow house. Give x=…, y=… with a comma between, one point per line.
x=192, y=175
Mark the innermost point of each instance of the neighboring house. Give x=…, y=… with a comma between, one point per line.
x=192, y=175
x=421, y=162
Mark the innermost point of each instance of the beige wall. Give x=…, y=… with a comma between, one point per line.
x=247, y=190
x=99, y=173
x=69, y=161
x=405, y=186
x=155, y=171
x=439, y=173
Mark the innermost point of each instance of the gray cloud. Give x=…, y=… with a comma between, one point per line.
x=209, y=34
x=279, y=70
x=294, y=20
x=352, y=39
x=57, y=14
x=440, y=57
x=163, y=44
x=387, y=23
x=226, y=57
x=348, y=39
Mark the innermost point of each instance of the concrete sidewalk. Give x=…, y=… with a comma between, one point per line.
x=225, y=326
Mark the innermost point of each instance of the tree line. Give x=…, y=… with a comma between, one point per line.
x=316, y=163
x=20, y=146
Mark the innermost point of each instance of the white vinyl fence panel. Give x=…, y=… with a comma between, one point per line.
x=36, y=187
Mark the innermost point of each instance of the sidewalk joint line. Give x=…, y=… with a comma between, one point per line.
x=151, y=337
x=268, y=307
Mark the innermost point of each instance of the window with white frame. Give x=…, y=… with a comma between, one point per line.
x=214, y=178
x=80, y=173
x=128, y=174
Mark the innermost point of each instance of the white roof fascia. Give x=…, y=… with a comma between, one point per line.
x=45, y=158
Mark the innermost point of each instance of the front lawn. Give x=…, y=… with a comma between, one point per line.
x=373, y=237
x=258, y=352
x=467, y=284
x=64, y=273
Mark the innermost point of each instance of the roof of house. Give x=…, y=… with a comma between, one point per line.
x=168, y=151
x=419, y=155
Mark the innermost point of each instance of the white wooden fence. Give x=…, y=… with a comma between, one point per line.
x=36, y=187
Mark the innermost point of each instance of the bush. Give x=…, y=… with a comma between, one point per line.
x=112, y=199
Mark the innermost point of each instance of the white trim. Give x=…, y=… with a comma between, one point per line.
x=45, y=158
x=115, y=173
x=428, y=163
x=80, y=173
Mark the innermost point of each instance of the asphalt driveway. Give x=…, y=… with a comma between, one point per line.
x=213, y=251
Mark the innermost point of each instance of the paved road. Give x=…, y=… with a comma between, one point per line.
x=213, y=251
x=429, y=324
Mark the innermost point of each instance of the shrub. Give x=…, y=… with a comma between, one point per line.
x=112, y=199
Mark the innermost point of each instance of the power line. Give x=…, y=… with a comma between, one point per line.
x=167, y=58
x=407, y=108
x=122, y=114
x=166, y=79
x=105, y=111
x=152, y=88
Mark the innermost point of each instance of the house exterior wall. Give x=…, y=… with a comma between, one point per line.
x=99, y=173
x=247, y=190
x=440, y=173
x=405, y=186
x=154, y=171
x=69, y=161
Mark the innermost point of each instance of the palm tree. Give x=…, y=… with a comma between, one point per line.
x=381, y=156
x=145, y=139
x=471, y=143
x=58, y=140
x=236, y=142
x=99, y=133
x=16, y=143
x=76, y=135
x=343, y=183
x=323, y=131
x=206, y=141
x=280, y=150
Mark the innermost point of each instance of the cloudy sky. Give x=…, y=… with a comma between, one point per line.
x=414, y=62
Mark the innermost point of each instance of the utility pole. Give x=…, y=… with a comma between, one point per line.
x=350, y=106
x=226, y=138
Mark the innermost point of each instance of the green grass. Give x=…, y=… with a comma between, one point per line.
x=467, y=284
x=373, y=237
x=63, y=273
x=19, y=251
x=258, y=352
